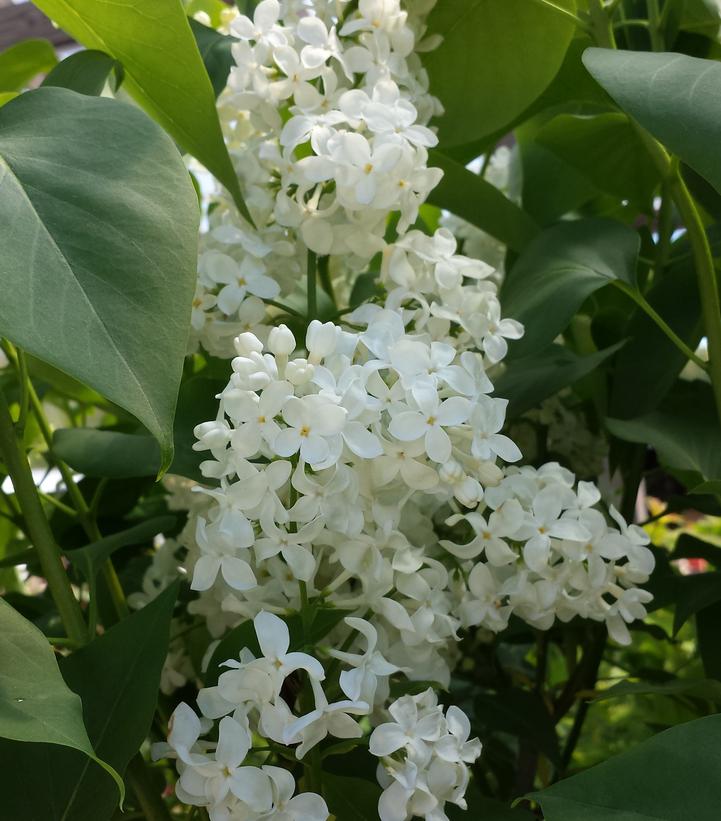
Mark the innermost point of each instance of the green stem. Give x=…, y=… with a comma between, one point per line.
x=665, y=231
x=149, y=798
x=601, y=26
x=24, y=396
x=286, y=308
x=325, y=280
x=84, y=511
x=645, y=306
x=38, y=527
x=670, y=170
x=311, y=272
x=654, y=25
x=622, y=24
x=707, y=281
x=68, y=511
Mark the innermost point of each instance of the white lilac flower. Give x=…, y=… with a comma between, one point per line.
x=337, y=466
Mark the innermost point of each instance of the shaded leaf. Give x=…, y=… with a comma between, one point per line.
x=323, y=619
x=649, y=364
x=559, y=270
x=85, y=72
x=520, y=713
x=694, y=688
x=529, y=380
x=107, y=453
x=693, y=594
x=708, y=630
x=684, y=432
x=690, y=547
x=473, y=198
x=607, y=150
x=670, y=777
x=351, y=799
x=90, y=558
x=215, y=49
x=35, y=702
x=117, y=676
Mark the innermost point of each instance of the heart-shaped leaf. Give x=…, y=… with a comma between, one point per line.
x=98, y=225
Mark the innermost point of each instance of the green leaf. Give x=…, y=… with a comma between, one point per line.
x=322, y=620
x=520, y=713
x=529, y=380
x=213, y=8
x=693, y=594
x=683, y=431
x=117, y=455
x=164, y=71
x=649, y=364
x=85, y=72
x=215, y=49
x=229, y=647
x=351, y=799
x=670, y=777
x=511, y=48
x=486, y=809
x=6, y=96
x=117, y=676
x=551, y=187
x=89, y=559
x=674, y=97
x=21, y=62
x=196, y=404
x=107, y=453
x=708, y=629
x=607, y=150
x=705, y=689
x=477, y=201
x=691, y=547
x=35, y=702
x=559, y=270
x=98, y=224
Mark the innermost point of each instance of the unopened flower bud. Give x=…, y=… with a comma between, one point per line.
x=247, y=343
x=211, y=435
x=489, y=474
x=451, y=473
x=281, y=341
x=320, y=340
x=299, y=371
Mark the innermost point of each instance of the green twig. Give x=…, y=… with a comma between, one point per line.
x=68, y=511
x=325, y=280
x=601, y=26
x=149, y=798
x=645, y=306
x=311, y=273
x=670, y=171
x=286, y=308
x=654, y=25
x=38, y=527
x=622, y=24
x=24, y=396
